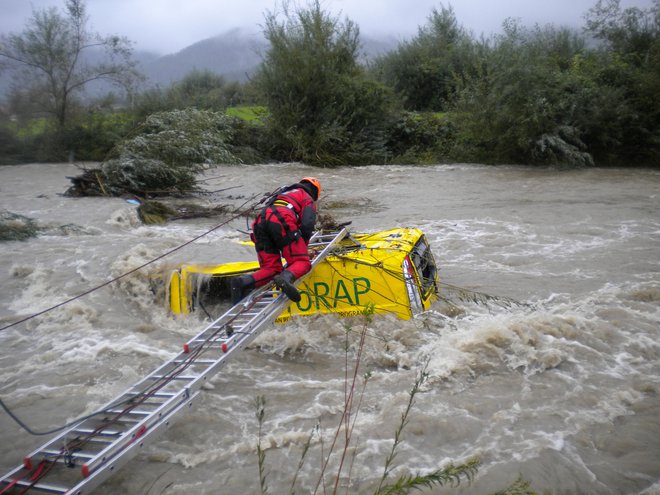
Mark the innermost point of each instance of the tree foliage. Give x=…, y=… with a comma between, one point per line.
x=201, y=89
x=165, y=157
x=540, y=95
x=54, y=58
x=627, y=73
x=322, y=107
x=424, y=70
x=523, y=101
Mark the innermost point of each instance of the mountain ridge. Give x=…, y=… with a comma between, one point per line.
x=233, y=54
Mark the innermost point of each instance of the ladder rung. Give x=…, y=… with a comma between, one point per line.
x=90, y=431
x=93, y=436
x=197, y=362
x=43, y=487
x=213, y=344
x=178, y=377
x=100, y=439
x=156, y=395
x=58, y=453
x=146, y=400
x=241, y=325
x=125, y=419
x=213, y=341
x=133, y=411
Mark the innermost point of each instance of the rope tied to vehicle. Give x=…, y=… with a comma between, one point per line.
x=238, y=212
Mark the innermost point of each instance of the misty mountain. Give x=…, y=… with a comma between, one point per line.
x=234, y=54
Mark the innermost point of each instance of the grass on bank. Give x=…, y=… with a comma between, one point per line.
x=252, y=114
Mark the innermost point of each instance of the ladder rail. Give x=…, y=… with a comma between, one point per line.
x=98, y=476
x=166, y=391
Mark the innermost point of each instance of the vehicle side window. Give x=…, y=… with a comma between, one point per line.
x=422, y=258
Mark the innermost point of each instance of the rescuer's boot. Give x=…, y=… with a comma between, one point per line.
x=241, y=287
x=285, y=282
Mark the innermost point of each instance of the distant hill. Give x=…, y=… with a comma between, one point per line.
x=234, y=54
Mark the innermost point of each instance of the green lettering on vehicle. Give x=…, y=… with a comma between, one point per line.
x=366, y=287
x=321, y=291
x=304, y=294
x=321, y=296
x=342, y=293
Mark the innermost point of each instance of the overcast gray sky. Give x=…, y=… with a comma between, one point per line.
x=167, y=26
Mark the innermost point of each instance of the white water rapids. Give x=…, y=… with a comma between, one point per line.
x=563, y=390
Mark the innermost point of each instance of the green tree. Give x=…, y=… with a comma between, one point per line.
x=54, y=59
x=201, y=89
x=628, y=73
x=525, y=101
x=424, y=71
x=322, y=107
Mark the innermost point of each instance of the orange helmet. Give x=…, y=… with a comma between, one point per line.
x=315, y=182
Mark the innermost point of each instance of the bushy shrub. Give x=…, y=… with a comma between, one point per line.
x=169, y=152
x=10, y=147
x=418, y=137
x=165, y=157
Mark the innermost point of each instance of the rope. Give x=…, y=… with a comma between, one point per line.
x=130, y=272
x=238, y=213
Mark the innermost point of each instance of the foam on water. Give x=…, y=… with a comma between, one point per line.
x=540, y=388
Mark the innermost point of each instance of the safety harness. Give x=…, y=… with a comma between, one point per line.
x=280, y=199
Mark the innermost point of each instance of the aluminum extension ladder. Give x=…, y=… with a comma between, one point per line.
x=86, y=454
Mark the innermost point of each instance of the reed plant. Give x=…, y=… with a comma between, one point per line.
x=343, y=441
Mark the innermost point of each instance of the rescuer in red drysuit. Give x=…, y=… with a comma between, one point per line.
x=282, y=230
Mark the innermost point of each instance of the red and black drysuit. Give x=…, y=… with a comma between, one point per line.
x=283, y=229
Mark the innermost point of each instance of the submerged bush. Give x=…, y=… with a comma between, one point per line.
x=173, y=147
x=165, y=158
x=14, y=227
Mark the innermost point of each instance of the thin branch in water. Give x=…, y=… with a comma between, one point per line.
x=344, y=422
x=449, y=474
x=476, y=297
x=302, y=458
x=260, y=413
x=421, y=378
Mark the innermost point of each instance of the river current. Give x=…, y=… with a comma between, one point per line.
x=560, y=387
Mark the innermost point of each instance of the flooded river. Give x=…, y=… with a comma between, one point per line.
x=561, y=389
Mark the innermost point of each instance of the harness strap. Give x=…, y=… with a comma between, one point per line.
x=289, y=236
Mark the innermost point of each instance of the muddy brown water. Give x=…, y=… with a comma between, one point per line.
x=562, y=390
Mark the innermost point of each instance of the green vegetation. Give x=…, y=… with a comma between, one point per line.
x=323, y=110
x=338, y=451
x=52, y=52
x=165, y=156
x=251, y=114
x=537, y=96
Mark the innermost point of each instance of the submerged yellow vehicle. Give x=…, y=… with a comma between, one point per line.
x=393, y=271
